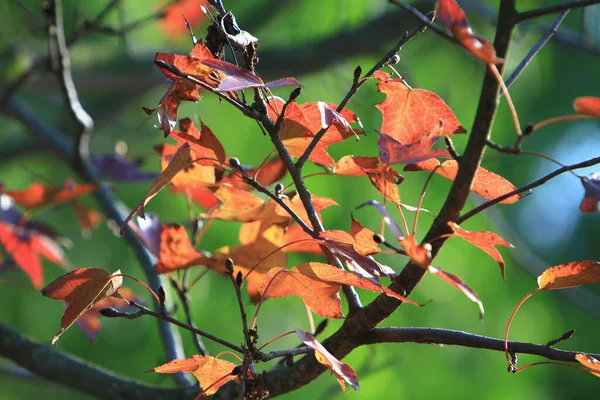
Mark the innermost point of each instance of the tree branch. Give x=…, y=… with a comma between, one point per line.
x=540, y=12
x=464, y=339
x=536, y=183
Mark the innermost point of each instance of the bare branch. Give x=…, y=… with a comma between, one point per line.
x=540, y=12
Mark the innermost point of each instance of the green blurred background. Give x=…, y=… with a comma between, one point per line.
x=320, y=43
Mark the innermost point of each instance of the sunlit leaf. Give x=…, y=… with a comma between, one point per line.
x=590, y=363
x=176, y=251
x=588, y=105
x=570, y=275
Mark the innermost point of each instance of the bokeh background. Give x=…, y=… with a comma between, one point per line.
x=320, y=43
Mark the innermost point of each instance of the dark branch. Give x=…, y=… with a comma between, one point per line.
x=540, y=12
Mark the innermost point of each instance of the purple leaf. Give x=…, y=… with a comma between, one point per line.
x=387, y=218
x=119, y=168
x=591, y=184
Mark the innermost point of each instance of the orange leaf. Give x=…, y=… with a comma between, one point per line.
x=38, y=195
x=485, y=241
x=210, y=371
x=410, y=113
x=450, y=13
x=570, y=275
x=365, y=244
x=460, y=285
x=590, y=363
x=343, y=372
x=25, y=246
x=193, y=176
x=172, y=22
x=588, y=105
x=392, y=151
x=420, y=255
x=176, y=250
x=181, y=159
x=591, y=184
x=88, y=218
x=204, y=144
x=382, y=177
x=240, y=205
x=82, y=288
x=485, y=183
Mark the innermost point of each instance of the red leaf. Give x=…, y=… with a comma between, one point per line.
x=570, y=275
x=172, y=22
x=82, y=288
x=419, y=254
x=588, y=105
x=485, y=241
x=410, y=113
x=38, y=195
x=88, y=218
x=25, y=246
x=176, y=251
x=591, y=184
x=391, y=151
x=382, y=177
x=485, y=183
x=211, y=372
x=450, y=13
x=343, y=372
x=460, y=285
x=204, y=144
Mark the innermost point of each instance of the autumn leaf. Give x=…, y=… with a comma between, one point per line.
x=460, y=285
x=211, y=372
x=88, y=218
x=204, y=144
x=181, y=160
x=391, y=151
x=25, y=246
x=38, y=195
x=192, y=176
x=176, y=251
x=485, y=241
x=590, y=363
x=419, y=254
x=591, y=184
x=485, y=183
x=318, y=284
x=240, y=205
x=82, y=288
x=410, y=113
x=570, y=275
x=455, y=20
x=587, y=105
x=382, y=177
x=172, y=22
x=343, y=372
x=239, y=79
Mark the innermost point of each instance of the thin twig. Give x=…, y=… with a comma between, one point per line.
x=527, y=187
x=535, y=49
x=146, y=311
x=237, y=284
x=182, y=292
x=540, y=12
x=356, y=85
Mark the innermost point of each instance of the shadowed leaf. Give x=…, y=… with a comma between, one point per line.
x=591, y=184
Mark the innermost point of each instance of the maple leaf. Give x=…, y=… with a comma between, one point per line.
x=240, y=205
x=211, y=372
x=25, y=246
x=239, y=79
x=455, y=20
x=182, y=89
x=343, y=372
x=191, y=176
x=181, y=159
x=302, y=122
x=204, y=144
x=591, y=184
x=120, y=168
x=176, y=251
x=37, y=195
x=590, y=363
x=82, y=288
x=392, y=151
x=318, y=284
x=269, y=172
x=257, y=254
x=587, y=105
x=410, y=113
x=569, y=275
x=485, y=183
x=485, y=241
x=460, y=285
x=382, y=177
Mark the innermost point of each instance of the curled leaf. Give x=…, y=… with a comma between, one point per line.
x=460, y=285
x=570, y=275
x=82, y=288
x=343, y=372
